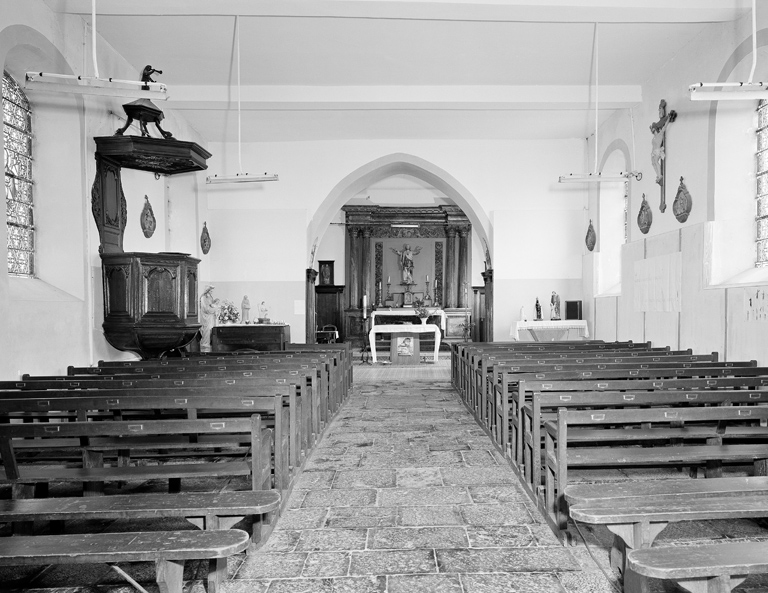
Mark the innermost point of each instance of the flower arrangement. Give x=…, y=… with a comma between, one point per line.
x=228, y=313
x=421, y=308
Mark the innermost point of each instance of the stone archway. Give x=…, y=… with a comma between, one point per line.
x=377, y=170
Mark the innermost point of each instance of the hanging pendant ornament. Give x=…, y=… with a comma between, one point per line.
x=683, y=203
x=205, y=240
x=591, y=237
x=148, y=220
x=644, y=217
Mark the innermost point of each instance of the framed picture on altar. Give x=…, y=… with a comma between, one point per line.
x=405, y=346
x=407, y=299
x=325, y=272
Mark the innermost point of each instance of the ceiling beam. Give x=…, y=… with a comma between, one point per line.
x=568, y=11
x=316, y=98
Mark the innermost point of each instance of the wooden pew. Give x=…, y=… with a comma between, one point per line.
x=637, y=511
x=521, y=389
x=299, y=415
x=611, y=450
x=205, y=510
x=168, y=549
x=194, y=403
x=704, y=568
x=24, y=477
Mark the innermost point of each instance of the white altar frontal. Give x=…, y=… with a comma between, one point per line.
x=403, y=329
x=407, y=311
x=548, y=330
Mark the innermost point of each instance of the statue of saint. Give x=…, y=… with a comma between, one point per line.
x=406, y=262
x=209, y=306
x=246, y=307
x=554, y=303
x=264, y=312
x=538, y=309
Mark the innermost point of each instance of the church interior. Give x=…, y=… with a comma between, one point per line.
x=387, y=229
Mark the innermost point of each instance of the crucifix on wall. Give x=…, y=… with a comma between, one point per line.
x=658, y=147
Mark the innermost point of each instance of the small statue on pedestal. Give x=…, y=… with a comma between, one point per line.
x=554, y=304
x=538, y=310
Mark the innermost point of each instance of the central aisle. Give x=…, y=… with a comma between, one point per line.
x=406, y=494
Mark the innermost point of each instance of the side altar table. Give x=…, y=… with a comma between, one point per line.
x=403, y=329
x=549, y=330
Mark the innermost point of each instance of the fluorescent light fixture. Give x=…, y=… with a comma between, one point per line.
x=94, y=85
x=404, y=226
x=90, y=85
x=599, y=177
x=240, y=178
x=734, y=91
x=728, y=91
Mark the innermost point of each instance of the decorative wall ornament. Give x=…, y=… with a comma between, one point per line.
x=147, y=220
x=658, y=147
x=205, y=240
x=683, y=203
x=644, y=217
x=591, y=237
x=438, y=289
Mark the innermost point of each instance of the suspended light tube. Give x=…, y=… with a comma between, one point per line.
x=94, y=85
x=600, y=177
x=739, y=91
x=240, y=178
x=90, y=85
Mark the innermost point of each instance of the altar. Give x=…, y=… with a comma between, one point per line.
x=548, y=330
x=407, y=312
x=400, y=329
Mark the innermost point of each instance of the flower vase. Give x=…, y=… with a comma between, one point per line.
x=423, y=320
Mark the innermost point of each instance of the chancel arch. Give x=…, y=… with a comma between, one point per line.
x=436, y=234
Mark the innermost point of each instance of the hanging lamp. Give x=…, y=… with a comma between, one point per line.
x=239, y=177
x=595, y=176
x=734, y=91
x=74, y=84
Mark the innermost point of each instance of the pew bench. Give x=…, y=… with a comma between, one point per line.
x=92, y=473
x=637, y=511
x=611, y=451
x=168, y=549
x=712, y=568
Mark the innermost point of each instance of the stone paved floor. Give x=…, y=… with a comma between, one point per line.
x=406, y=494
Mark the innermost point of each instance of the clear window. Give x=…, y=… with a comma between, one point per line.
x=17, y=156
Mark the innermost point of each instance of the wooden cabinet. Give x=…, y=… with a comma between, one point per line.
x=258, y=336
x=150, y=301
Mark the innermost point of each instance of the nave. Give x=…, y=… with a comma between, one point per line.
x=406, y=494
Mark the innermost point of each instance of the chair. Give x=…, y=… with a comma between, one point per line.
x=327, y=334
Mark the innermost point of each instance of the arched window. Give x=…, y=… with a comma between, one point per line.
x=17, y=156
x=762, y=185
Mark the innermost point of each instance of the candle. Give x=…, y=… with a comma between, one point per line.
x=389, y=279
x=365, y=306
x=379, y=284
x=427, y=277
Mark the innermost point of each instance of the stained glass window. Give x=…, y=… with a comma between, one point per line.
x=762, y=185
x=17, y=156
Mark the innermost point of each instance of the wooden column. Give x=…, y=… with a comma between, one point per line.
x=353, y=280
x=488, y=277
x=365, y=284
x=450, y=268
x=463, y=279
x=311, y=307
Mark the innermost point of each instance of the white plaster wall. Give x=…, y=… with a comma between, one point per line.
x=54, y=320
x=712, y=147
